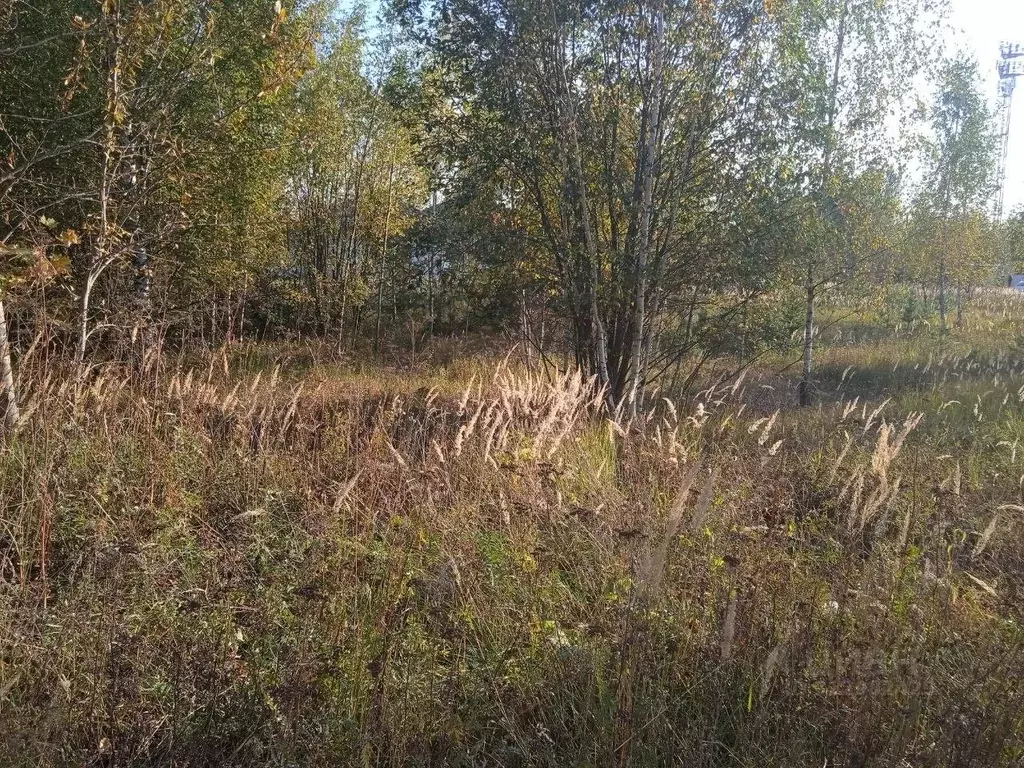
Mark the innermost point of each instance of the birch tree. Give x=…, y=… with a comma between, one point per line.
x=962, y=161
x=851, y=63
x=632, y=134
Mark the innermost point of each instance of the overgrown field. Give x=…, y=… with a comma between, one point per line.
x=470, y=564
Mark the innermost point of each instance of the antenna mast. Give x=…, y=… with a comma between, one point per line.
x=1011, y=66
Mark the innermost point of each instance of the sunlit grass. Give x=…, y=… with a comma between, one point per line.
x=335, y=564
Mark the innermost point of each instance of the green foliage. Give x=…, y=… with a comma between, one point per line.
x=619, y=544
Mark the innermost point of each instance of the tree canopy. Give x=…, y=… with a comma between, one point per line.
x=635, y=186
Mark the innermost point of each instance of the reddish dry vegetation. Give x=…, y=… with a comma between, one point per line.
x=211, y=568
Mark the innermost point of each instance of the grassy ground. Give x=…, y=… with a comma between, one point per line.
x=274, y=560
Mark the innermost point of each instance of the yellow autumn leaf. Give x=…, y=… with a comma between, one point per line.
x=69, y=237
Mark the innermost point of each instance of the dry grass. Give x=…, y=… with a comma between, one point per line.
x=235, y=565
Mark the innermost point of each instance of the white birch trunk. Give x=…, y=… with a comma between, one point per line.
x=11, y=412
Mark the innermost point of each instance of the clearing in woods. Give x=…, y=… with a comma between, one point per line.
x=248, y=562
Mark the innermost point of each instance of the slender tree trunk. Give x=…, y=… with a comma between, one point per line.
x=826, y=173
x=142, y=290
x=143, y=283
x=805, y=379
x=350, y=251
x=645, y=235
x=380, y=303
x=11, y=412
x=241, y=310
x=384, y=252
x=357, y=324
x=599, y=338
x=430, y=290
x=649, y=341
x=942, y=292
x=101, y=257
x=83, y=320
x=344, y=305
x=691, y=309
x=96, y=264
x=743, y=333
x=524, y=330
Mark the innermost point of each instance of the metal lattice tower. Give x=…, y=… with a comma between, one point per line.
x=1011, y=66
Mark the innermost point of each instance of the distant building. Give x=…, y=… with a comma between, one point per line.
x=1016, y=282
